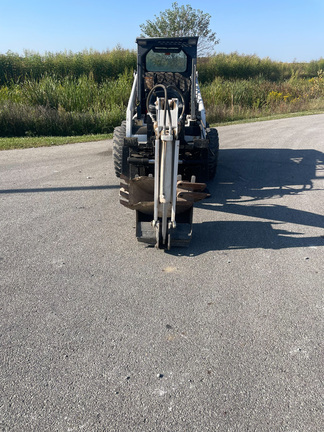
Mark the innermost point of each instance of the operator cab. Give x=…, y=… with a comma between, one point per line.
x=169, y=61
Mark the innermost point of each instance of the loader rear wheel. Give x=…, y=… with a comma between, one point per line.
x=213, y=149
x=118, y=149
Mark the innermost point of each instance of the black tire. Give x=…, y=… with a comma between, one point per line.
x=118, y=149
x=213, y=150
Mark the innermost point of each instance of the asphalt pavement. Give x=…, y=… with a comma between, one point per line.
x=102, y=333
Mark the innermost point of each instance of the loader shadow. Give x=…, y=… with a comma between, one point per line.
x=58, y=189
x=247, y=183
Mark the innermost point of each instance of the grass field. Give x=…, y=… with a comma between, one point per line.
x=49, y=141
x=66, y=94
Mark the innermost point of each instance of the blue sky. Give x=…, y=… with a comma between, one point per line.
x=286, y=30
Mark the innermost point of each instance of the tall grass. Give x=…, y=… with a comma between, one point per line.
x=110, y=64
x=67, y=106
x=238, y=99
x=86, y=93
x=236, y=66
x=23, y=120
x=33, y=66
x=70, y=93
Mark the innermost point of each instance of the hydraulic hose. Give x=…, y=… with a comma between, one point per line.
x=167, y=107
x=163, y=87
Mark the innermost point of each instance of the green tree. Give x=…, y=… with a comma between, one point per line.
x=183, y=21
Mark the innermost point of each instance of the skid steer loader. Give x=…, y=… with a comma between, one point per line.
x=165, y=153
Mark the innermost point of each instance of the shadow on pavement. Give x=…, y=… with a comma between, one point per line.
x=244, y=178
x=57, y=189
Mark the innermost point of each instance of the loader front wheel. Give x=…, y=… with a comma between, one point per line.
x=213, y=149
x=118, y=149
